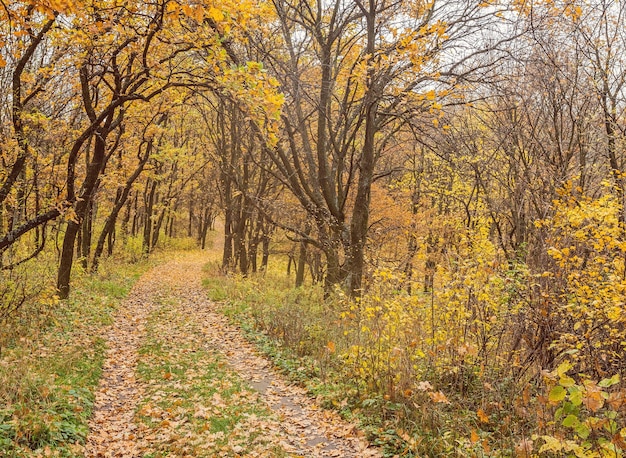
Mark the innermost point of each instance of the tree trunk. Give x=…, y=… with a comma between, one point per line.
x=126, y=218
x=430, y=265
x=147, y=228
x=335, y=274
x=265, y=241
x=316, y=267
x=611, y=140
x=157, y=229
x=205, y=222
x=171, y=232
x=360, y=215
x=227, y=255
x=111, y=240
x=301, y=264
x=87, y=232
x=135, y=225
x=91, y=179
x=191, y=215
x=79, y=243
x=252, y=255
x=302, y=258
x=67, y=259
x=291, y=260
x=240, y=247
x=413, y=244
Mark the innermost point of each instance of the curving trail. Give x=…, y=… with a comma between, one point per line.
x=296, y=426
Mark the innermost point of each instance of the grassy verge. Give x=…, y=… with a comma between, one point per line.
x=194, y=405
x=51, y=361
x=299, y=331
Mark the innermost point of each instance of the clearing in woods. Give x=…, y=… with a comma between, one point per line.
x=179, y=380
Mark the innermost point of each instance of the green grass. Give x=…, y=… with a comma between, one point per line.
x=51, y=363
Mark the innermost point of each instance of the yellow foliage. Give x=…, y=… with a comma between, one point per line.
x=587, y=246
x=399, y=338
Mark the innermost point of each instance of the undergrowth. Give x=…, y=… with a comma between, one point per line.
x=409, y=396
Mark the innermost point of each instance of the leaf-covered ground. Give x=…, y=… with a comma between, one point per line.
x=180, y=381
x=51, y=357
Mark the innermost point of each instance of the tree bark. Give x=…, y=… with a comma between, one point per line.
x=80, y=208
x=87, y=230
x=147, y=228
x=265, y=243
x=360, y=214
x=301, y=265
x=302, y=258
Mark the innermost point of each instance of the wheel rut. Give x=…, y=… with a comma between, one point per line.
x=296, y=426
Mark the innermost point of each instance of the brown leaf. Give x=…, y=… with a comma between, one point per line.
x=438, y=397
x=524, y=448
x=617, y=400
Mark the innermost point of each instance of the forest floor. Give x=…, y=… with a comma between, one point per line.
x=179, y=380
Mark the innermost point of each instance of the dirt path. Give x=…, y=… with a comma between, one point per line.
x=172, y=293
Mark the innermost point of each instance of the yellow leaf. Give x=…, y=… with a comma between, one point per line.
x=551, y=444
x=482, y=416
x=331, y=347
x=563, y=368
x=216, y=14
